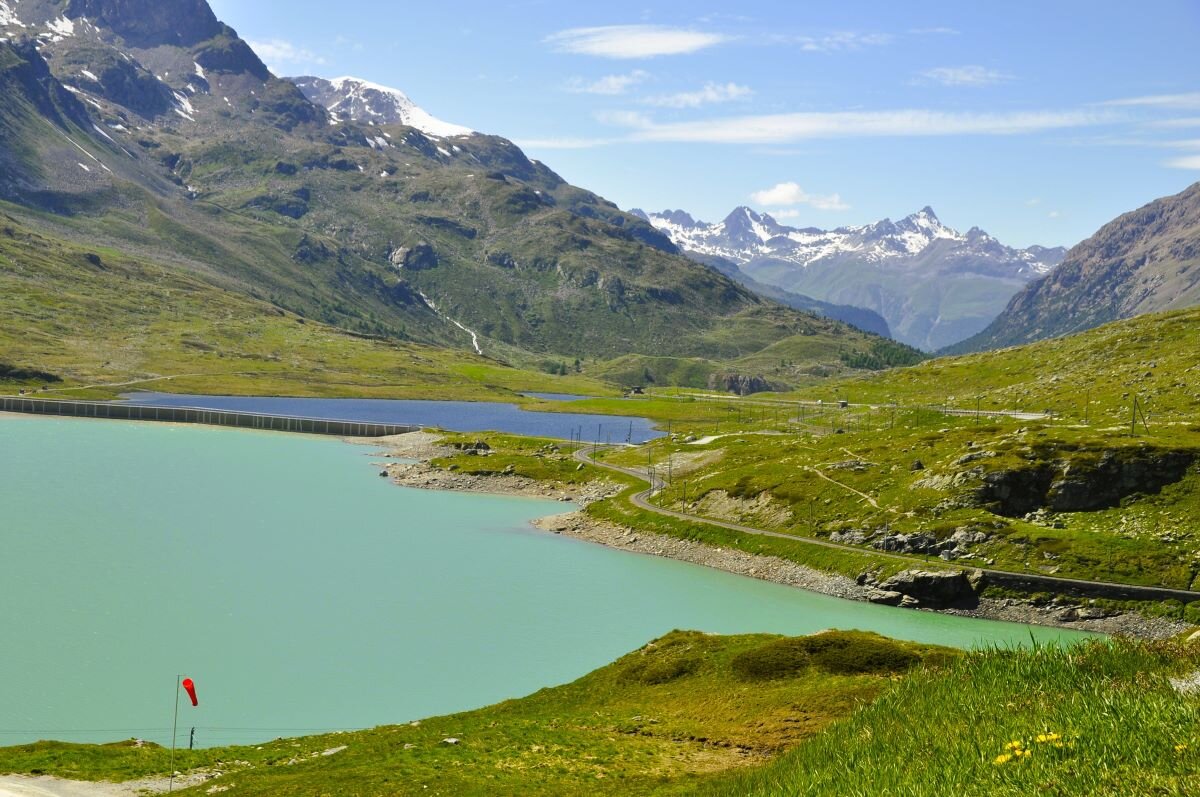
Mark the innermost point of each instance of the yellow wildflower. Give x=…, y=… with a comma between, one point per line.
x=1042, y=738
x=1016, y=744
x=1179, y=748
x=1025, y=753
x=1003, y=759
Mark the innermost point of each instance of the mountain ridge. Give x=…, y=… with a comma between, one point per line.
x=1144, y=261
x=930, y=282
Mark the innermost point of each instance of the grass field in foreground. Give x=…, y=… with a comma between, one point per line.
x=657, y=721
x=838, y=714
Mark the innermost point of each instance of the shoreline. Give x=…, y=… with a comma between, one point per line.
x=422, y=447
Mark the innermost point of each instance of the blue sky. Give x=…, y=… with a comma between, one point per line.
x=1038, y=121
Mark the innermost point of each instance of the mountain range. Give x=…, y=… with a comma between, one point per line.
x=1145, y=261
x=933, y=285
x=149, y=127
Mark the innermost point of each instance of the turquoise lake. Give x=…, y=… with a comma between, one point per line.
x=303, y=593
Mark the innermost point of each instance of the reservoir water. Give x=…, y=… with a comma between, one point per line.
x=459, y=416
x=303, y=593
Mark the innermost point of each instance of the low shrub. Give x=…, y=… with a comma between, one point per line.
x=836, y=652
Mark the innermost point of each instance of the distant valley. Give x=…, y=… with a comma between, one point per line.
x=933, y=285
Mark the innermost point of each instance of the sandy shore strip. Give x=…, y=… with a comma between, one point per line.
x=423, y=446
x=47, y=786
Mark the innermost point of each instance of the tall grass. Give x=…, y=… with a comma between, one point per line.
x=1098, y=719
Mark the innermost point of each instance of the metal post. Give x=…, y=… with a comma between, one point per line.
x=174, y=728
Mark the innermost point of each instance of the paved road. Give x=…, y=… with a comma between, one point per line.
x=642, y=501
x=1020, y=415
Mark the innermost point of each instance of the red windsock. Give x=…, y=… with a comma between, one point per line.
x=189, y=686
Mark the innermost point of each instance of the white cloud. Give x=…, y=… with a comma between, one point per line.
x=1187, y=162
x=632, y=41
x=1189, y=100
x=840, y=41
x=787, y=127
x=1033, y=202
x=711, y=93
x=1187, y=121
x=624, y=119
x=1054, y=214
x=940, y=30
x=610, y=85
x=971, y=75
x=793, y=194
x=563, y=143
x=280, y=55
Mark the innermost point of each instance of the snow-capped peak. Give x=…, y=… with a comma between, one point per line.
x=745, y=236
x=355, y=99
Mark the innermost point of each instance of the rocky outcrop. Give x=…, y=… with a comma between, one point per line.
x=414, y=258
x=1080, y=484
x=740, y=384
x=1114, y=477
x=957, y=546
x=931, y=589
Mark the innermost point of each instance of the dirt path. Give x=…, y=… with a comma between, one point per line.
x=864, y=496
x=46, y=786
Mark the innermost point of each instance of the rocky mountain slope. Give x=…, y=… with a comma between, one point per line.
x=149, y=127
x=1144, y=261
x=932, y=284
x=861, y=317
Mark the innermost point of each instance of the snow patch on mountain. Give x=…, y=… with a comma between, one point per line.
x=8, y=16
x=62, y=26
x=357, y=100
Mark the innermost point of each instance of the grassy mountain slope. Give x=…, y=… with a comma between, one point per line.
x=1079, y=494
x=157, y=132
x=1143, y=262
x=97, y=315
x=864, y=319
x=1094, y=375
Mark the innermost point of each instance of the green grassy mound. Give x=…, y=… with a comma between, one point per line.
x=1100, y=719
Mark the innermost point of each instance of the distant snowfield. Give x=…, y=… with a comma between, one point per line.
x=364, y=101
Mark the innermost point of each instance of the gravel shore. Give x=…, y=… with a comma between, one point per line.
x=422, y=446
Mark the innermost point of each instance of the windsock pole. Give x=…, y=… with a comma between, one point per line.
x=174, y=728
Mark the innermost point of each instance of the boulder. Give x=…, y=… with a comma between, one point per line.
x=935, y=589
x=415, y=258
x=886, y=597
